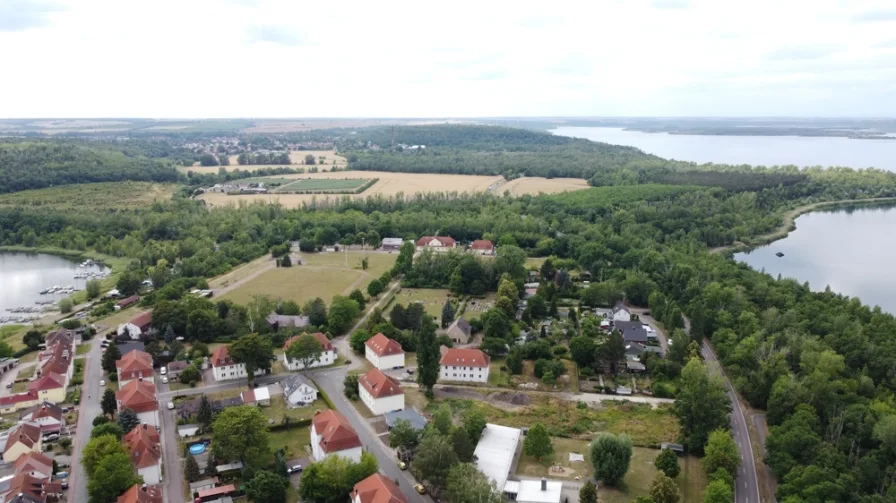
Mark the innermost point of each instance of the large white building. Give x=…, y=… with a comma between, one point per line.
x=495, y=451
x=384, y=353
x=224, y=368
x=380, y=393
x=144, y=446
x=621, y=312
x=464, y=365
x=333, y=435
x=436, y=243
x=327, y=356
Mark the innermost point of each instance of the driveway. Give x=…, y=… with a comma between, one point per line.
x=11, y=376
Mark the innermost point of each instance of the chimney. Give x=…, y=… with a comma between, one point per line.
x=544, y=484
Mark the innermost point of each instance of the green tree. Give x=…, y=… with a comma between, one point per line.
x=611, y=456
x=331, y=479
x=189, y=375
x=128, y=420
x=255, y=351
x=466, y=484
x=428, y=355
x=405, y=258
x=434, y=459
x=588, y=493
x=463, y=447
x=241, y=433
x=358, y=297
x=442, y=421
x=191, y=469
x=307, y=350
x=108, y=403
x=309, y=159
x=107, y=429
x=403, y=435
x=205, y=415
x=474, y=422
x=512, y=261
x=112, y=355
x=33, y=339
x=664, y=490
x=667, y=462
x=538, y=442
x=701, y=405
x=65, y=305
x=93, y=288
x=129, y=283
x=316, y=311
x=112, y=476
x=350, y=387
x=581, y=350
x=375, y=287
x=447, y=313
x=210, y=468
x=343, y=312
x=99, y=448
x=268, y=487
x=721, y=453
x=718, y=492
x=358, y=339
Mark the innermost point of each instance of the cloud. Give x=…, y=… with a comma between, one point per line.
x=799, y=52
x=670, y=4
x=886, y=44
x=19, y=15
x=276, y=34
x=872, y=16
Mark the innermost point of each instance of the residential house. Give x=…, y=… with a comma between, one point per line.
x=436, y=243
x=383, y=352
x=256, y=396
x=18, y=401
x=136, y=329
x=391, y=244
x=20, y=440
x=141, y=494
x=327, y=356
x=380, y=393
x=298, y=390
x=34, y=464
x=57, y=358
x=460, y=331
x=333, y=435
x=416, y=420
x=467, y=365
x=225, y=369
x=220, y=405
x=24, y=488
x=175, y=368
x=632, y=331
x=621, y=312
x=144, y=445
x=278, y=321
x=123, y=303
x=47, y=415
x=140, y=396
x=50, y=386
x=483, y=247
x=134, y=365
x=377, y=489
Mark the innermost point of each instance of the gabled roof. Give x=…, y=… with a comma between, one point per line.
x=134, y=361
x=444, y=241
x=321, y=338
x=288, y=321
x=141, y=494
x=465, y=358
x=383, y=346
x=378, y=489
x=177, y=366
x=128, y=301
x=463, y=325
x=379, y=385
x=620, y=306
x=254, y=395
x=632, y=331
x=482, y=244
x=24, y=433
x=138, y=395
x=143, y=444
x=295, y=381
x=41, y=410
x=335, y=431
x=221, y=357
x=142, y=321
x=28, y=396
x=30, y=488
x=34, y=462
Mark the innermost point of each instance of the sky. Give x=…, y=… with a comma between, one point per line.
x=485, y=58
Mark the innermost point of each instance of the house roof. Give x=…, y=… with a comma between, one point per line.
x=221, y=357
x=128, y=301
x=49, y=380
x=134, y=361
x=530, y=491
x=620, y=306
x=288, y=321
x=256, y=395
x=495, y=451
x=143, y=444
x=138, y=395
x=293, y=382
x=26, y=485
x=25, y=433
x=321, y=338
x=6, y=401
x=177, y=366
x=379, y=385
x=444, y=241
x=378, y=489
x=335, y=431
x=142, y=321
x=34, y=462
x=229, y=488
x=632, y=331
x=41, y=410
x=482, y=244
x=141, y=494
x=382, y=345
x=465, y=358
x=392, y=242
x=418, y=422
x=463, y=325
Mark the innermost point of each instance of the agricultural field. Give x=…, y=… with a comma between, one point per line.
x=324, y=159
x=432, y=299
x=325, y=185
x=537, y=185
x=324, y=275
x=106, y=195
x=389, y=185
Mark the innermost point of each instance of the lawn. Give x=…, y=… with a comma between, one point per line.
x=323, y=185
x=267, y=180
x=240, y=272
x=19, y=387
x=691, y=480
x=503, y=378
x=26, y=373
x=294, y=440
x=531, y=467
x=278, y=410
x=83, y=349
x=415, y=399
x=433, y=299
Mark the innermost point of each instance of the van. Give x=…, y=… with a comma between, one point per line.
x=164, y=370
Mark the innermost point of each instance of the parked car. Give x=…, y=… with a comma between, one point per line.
x=62, y=465
x=8, y=386
x=165, y=380
x=294, y=469
x=52, y=437
x=420, y=489
x=102, y=382
x=64, y=484
x=402, y=465
x=164, y=370
x=411, y=371
x=170, y=405
x=61, y=475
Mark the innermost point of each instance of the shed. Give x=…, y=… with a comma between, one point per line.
x=187, y=430
x=418, y=422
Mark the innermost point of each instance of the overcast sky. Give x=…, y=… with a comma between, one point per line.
x=302, y=58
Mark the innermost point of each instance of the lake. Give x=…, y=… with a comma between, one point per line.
x=754, y=150
x=850, y=249
x=24, y=275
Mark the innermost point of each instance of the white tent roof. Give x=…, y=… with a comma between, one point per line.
x=262, y=393
x=495, y=452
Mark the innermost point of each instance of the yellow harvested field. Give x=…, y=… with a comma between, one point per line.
x=535, y=185
x=296, y=156
x=389, y=184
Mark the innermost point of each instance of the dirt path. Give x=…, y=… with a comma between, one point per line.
x=791, y=215
x=364, y=275
x=236, y=284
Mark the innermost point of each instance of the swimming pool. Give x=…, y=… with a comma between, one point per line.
x=197, y=449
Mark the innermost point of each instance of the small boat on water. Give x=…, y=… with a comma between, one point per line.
x=779, y=254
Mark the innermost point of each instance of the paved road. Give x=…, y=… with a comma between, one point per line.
x=91, y=393
x=171, y=454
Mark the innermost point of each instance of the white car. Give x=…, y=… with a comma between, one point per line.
x=170, y=405
x=165, y=380
x=102, y=382
x=164, y=370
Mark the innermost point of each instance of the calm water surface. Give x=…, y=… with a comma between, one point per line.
x=755, y=150
x=851, y=250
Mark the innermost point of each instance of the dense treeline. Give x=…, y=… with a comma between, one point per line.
x=38, y=164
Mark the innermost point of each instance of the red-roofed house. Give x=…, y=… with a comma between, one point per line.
x=18, y=401
x=34, y=464
x=377, y=489
x=20, y=440
x=47, y=415
x=50, y=386
x=327, y=357
x=470, y=365
x=483, y=247
x=27, y=489
x=436, y=243
x=380, y=393
x=141, y=494
x=225, y=369
x=140, y=396
x=136, y=328
x=134, y=365
x=383, y=352
x=123, y=303
x=146, y=452
x=333, y=435
x=220, y=491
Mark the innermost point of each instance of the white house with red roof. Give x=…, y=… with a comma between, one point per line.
x=377, y=489
x=20, y=440
x=135, y=364
x=384, y=353
x=436, y=243
x=327, y=356
x=48, y=416
x=333, y=435
x=145, y=449
x=139, y=395
x=380, y=393
x=482, y=247
x=141, y=493
x=136, y=328
x=225, y=369
x=464, y=365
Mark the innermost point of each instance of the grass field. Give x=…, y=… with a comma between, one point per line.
x=111, y=195
x=278, y=410
x=432, y=299
x=538, y=185
x=293, y=440
x=324, y=159
x=240, y=272
x=498, y=377
x=323, y=184
x=324, y=276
